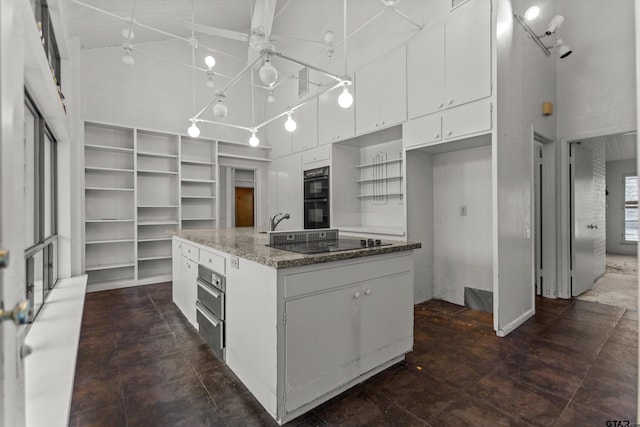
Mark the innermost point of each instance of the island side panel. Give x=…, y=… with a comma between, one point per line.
x=251, y=328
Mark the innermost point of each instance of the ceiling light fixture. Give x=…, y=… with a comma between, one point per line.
x=554, y=25
x=532, y=13
x=210, y=61
x=210, y=83
x=268, y=74
x=345, y=100
x=219, y=109
x=290, y=125
x=271, y=99
x=127, y=33
x=193, y=130
x=126, y=57
x=563, y=49
x=254, y=141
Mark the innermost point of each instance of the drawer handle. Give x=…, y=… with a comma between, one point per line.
x=204, y=285
x=450, y=101
x=450, y=133
x=437, y=135
x=206, y=314
x=368, y=292
x=441, y=105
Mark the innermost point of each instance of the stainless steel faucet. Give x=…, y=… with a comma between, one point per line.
x=274, y=220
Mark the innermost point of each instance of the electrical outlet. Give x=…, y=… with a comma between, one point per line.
x=463, y=210
x=235, y=262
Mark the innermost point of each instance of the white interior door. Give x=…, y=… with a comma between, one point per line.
x=583, y=210
x=537, y=183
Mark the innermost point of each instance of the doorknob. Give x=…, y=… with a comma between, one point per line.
x=19, y=314
x=592, y=226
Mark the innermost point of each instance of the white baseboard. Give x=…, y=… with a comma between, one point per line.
x=503, y=332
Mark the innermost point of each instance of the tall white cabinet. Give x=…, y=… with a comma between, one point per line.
x=140, y=185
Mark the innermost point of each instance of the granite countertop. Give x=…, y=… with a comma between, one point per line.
x=249, y=243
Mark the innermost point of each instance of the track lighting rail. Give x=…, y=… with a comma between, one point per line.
x=533, y=35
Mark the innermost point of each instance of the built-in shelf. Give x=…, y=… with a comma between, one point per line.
x=107, y=189
x=240, y=156
x=152, y=258
x=100, y=242
x=245, y=145
x=197, y=162
x=146, y=171
x=385, y=178
x=158, y=206
x=155, y=239
x=109, y=266
x=386, y=162
x=108, y=220
x=108, y=170
x=198, y=197
x=200, y=181
x=158, y=223
x=379, y=195
x=108, y=148
x=198, y=219
x=161, y=155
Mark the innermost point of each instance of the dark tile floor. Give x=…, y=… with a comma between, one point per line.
x=573, y=364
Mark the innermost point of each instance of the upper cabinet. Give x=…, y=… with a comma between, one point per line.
x=381, y=99
x=450, y=64
x=334, y=122
x=306, y=134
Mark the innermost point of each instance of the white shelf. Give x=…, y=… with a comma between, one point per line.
x=158, y=223
x=386, y=162
x=200, y=181
x=146, y=171
x=100, y=242
x=158, y=206
x=198, y=219
x=108, y=148
x=386, y=178
x=198, y=197
x=109, y=266
x=107, y=189
x=108, y=220
x=245, y=145
x=109, y=170
x=164, y=156
x=153, y=258
x=240, y=156
x=155, y=239
x=379, y=195
x=197, y=162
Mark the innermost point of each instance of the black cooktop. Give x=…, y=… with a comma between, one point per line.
x=323, y=246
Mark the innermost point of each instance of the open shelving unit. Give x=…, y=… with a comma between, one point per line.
x=198, y=183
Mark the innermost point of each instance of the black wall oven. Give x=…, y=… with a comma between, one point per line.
x=316, y=198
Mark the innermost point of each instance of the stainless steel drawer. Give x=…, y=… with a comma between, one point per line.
x=211, y=329
x=211, y=298
x=211, y=277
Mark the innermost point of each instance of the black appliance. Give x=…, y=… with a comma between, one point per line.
x=316, y=198
x=331, y=245
x=210, y=307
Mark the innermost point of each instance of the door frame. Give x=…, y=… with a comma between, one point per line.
x=259, y=175
x=564, y=211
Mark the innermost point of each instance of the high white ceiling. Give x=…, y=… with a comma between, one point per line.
x=621, y=146
x=96, y=29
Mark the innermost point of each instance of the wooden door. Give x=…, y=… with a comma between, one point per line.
x=244, y=207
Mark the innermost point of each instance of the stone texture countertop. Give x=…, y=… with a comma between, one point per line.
x=250, y=243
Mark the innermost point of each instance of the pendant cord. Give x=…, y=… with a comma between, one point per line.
x=344, y=7
x=193, y=61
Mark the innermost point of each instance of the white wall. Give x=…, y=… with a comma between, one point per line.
x=462, y=255
x=596, y=83
x=157, y=95
x=616, y=170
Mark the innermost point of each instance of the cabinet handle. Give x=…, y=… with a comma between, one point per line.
x=450, y=133
x=441, y=105
x=381, y=123
x=437, y=135
x=356, y=295
x=450, y=101
x=376, y=125
x=368, y=292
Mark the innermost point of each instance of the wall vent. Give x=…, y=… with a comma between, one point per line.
x=303, y=81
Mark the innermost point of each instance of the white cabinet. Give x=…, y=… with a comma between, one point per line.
x=185, y=285
x=317, y=154
x=306, y=134
x=453, y=124
x=381, y=99
x=450, y=64
x=177, y=287
x=335, y=336
x=287, y=191
x=334, y=122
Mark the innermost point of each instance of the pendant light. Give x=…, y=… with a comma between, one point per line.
x=268, y=74
x=345, y=100
x=210, y=61
x=219, y=109
x=193, y=130
x=290, y=125
x=254, y=141
x=271, y=99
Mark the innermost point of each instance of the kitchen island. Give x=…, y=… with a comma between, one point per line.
x=298, y=328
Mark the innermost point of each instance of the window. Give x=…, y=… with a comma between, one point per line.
x=40, y=169
x=630, y=208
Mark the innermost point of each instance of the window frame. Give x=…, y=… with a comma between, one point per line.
x=625, y=206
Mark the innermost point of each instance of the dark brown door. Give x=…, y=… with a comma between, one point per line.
x=244, y=207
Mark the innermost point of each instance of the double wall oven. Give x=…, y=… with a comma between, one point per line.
x=316, y=198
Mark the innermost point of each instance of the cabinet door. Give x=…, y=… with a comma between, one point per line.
x=422, y=130
x=176, y=273
x=367, y=99
x=387, y=319
x=471, y=118
x=278, y=139
x=191, y=290
x=289, y=191
x=392, y=88
x=468, y=53
x=306, y=134
x=335, y=123
x=425, y=69
x=322, y=344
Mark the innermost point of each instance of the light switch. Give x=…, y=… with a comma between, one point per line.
x=463, y=210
